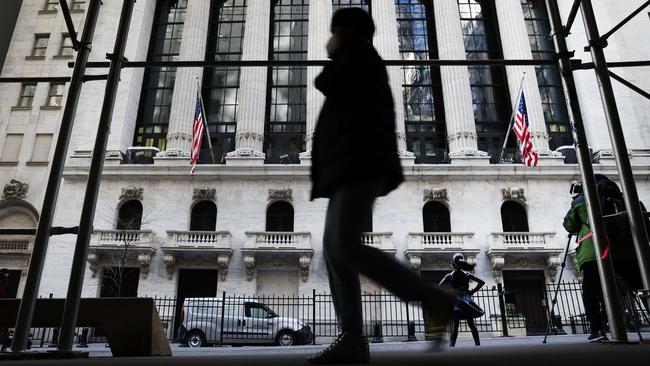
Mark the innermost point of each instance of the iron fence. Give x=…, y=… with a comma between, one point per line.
x=240, y=319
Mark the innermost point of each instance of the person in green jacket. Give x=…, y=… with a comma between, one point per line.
x=577, y=221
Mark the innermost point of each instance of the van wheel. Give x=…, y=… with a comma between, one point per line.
x=285, y=338
x=195, y=339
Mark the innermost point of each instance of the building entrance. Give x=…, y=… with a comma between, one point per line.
x=194, y=283
x=525, y=299
x=11, y=292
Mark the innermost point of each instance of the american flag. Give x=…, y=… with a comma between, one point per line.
x=197, y=133
x=522, y=130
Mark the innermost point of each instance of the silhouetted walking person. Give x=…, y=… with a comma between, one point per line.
x=354, y=161
x=465, y=307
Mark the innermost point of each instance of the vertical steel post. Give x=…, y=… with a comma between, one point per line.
x=639, y=234
x=502, y=309
x=605, y=268
x=42, y=238
x=75, y=285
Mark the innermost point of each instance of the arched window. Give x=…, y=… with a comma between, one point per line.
x=287, y=85
x=130, y=216
x=424, y=112
x=513, y=217
x=204, y=216
x=435, y=216
x=221, y=84
x=279, y=217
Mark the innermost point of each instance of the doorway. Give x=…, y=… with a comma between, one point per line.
x=12, y=285
x=120, y=282
x=525, y=298
x=193, y=283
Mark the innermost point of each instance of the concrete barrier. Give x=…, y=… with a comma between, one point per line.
x=132, y=325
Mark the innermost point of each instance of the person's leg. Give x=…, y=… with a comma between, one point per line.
x=454, y=332
x=354, y=201
x=472, y=327
x=591, y=295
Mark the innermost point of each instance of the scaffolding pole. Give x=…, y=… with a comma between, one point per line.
x=626, y=176
x=605, y=267
x=28, y=302
x=73, y=298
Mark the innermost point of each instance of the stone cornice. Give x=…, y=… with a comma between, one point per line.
x=412, y=173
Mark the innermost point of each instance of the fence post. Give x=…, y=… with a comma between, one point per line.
x=502, y=308
x=410, y=336
x=313, y=313
x=223, y=310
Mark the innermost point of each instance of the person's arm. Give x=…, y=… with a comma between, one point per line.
x=479, y=283
x=572, y=220
x=445, y=280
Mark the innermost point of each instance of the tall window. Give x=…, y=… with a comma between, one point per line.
x=435, y=216
x=67, y=48
x=513, y=217
x=287, y=86
x=51, y=5
x=489, y=85
x=421, y=87
x=279, y=217
x=26, y=97
x=158, y=85
x=204, y=216
x=42, y=145
x=221, y=85
x=339, y=4
x=55, y=95
x=40, y=45
x=548, y=76
x=130, y=216
x=11, y=150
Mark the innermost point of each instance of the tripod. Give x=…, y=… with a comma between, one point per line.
x=557, y=288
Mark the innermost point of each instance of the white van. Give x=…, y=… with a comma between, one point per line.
x=243, y=321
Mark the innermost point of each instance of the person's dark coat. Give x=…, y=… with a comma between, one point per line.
x=355, y=136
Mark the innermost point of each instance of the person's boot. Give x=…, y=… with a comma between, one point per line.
x=347, y=348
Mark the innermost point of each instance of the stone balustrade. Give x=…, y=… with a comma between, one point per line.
x=14, y=246
x=522, y=240
x=278, y=240
x=198, y=239
x=121, y=237
x=441, y=241
x=383, y=241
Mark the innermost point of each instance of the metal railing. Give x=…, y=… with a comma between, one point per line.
x=384, y=314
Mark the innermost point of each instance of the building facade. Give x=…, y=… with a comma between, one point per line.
x=244, y=222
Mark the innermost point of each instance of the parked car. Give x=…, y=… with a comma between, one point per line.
x=245, y=321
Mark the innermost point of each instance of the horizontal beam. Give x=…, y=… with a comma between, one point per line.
x=55, y=230
x=590, y=65
x=49, y=79
x=313, y=63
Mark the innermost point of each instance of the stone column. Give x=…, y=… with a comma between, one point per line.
x=456, y=89
x=387, y=44
x=193, y=44
x=320, y=14
x=249, y=139
x=515, y=44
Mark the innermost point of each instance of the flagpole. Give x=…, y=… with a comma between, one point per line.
x=205, y=121
x=512, y=116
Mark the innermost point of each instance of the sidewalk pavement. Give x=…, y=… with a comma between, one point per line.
x=524, y=351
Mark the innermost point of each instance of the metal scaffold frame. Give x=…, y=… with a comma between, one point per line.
x=117, y=62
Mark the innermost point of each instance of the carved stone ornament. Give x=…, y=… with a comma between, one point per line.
x=15, y=189
x=437, y=195
x=552, y=263
x=280, y=194
x=513, y=194
x=223, y=261
x=204, y=193
x=249, y=263
x=170, y=265
x=93, y=264
x=498, y=262
x=415, y=262
x=144, y=259
x=132, y=193
x=304, y=261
